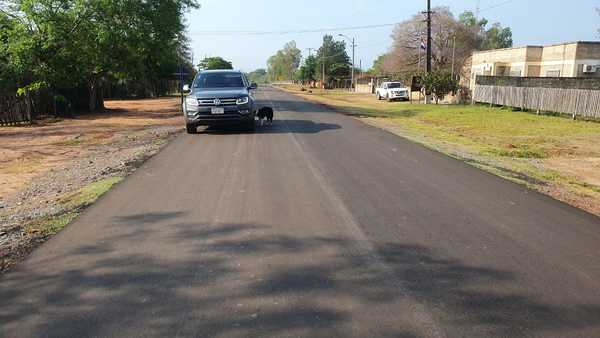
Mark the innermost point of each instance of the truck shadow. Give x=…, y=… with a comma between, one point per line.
x=285, y=126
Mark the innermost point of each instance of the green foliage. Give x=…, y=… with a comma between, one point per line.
x=494, y=37
x=307, y=72
x=32, y=88
x=469, y=19
x=258, y=76
x=332, y=54
x=497, y=37
x=453, y=42
x=283, y=65
x=60, y=98
x=377, y=69
x=216, y=62
x=81, y=43
x=439, y=83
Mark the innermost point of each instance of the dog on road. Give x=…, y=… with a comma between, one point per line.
x=265, y=113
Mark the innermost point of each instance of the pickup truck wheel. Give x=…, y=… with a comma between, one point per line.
x=191, y=128
x=387, y=98
x=378, y=97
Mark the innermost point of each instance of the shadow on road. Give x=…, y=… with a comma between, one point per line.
x=120, y=290
x=278, y=127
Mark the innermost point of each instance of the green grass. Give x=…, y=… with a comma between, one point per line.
x=69, y=143
x=72, y=204
x=89, y=194
x=50, y=225
x=495, y=131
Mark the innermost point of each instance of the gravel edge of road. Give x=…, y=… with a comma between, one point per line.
x=33, y=215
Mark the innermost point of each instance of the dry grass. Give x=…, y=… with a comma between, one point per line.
x=27, y=151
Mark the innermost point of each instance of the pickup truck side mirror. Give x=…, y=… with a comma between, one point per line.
x=186, y=88
x=253, y=85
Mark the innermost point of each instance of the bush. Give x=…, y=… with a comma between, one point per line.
x=439, y=83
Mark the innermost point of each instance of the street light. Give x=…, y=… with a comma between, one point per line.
x=353, y=46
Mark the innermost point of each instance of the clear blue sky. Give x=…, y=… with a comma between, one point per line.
x=532, y=22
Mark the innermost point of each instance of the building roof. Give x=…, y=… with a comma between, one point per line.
x=536, y=46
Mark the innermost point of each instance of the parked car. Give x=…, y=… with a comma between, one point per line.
x=219, y=97
x=392, y=91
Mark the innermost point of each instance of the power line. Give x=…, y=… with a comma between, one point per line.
x=496, y=5
x=300, y=31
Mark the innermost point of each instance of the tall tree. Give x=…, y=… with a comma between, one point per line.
x=81, y=43
x=258, y=76
x=378, y=66
x=283, y=65
x=216, y=62
x=497, y=37
x=407, y=57
x=333, y=57
x=451, y=37
x=307, y=72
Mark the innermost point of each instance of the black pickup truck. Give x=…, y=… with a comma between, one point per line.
x=219, y=97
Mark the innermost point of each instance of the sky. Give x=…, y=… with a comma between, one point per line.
x=533, y=22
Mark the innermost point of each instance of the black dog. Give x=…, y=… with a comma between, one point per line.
x=265, y=113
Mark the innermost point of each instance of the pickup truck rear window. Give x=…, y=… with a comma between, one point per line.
x=219, y=80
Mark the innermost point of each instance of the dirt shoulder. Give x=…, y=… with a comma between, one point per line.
x=52, y=170
x=551, y=154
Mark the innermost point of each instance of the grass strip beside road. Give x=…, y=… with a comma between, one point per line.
x=552, y=154
x=71, y=206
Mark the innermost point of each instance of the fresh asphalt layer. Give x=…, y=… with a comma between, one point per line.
x=316, y=226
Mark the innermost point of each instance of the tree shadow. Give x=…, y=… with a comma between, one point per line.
x=209, y=289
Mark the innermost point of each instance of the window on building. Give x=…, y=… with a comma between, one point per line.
x=515, y=72
x=553, y=73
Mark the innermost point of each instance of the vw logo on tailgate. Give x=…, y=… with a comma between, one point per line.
x=217, y=102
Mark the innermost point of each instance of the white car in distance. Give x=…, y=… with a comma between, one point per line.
x=392, y=91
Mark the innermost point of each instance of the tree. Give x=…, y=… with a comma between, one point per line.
x=493, y=38
x=8, y=78
x=333, y=57
x=407, y=58
x=307, y=72
x=82, y=43
x=258, y=76
x=440, y=83
x=497, y=37
x=283, y=65
x=216, y=62
x=378, y=66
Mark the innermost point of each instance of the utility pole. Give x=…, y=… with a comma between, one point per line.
x=420, y=49
x=352, y=78
x=360, y=67
x=310, y=51
x=453, y=54
x=353, y=48
x=428, y=36
x=323, y=62
x=428, y=95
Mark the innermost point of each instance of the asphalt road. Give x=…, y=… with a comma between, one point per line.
x=317, y=226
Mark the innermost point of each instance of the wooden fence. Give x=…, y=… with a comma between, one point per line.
x=15, y=110
x=578, y=102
